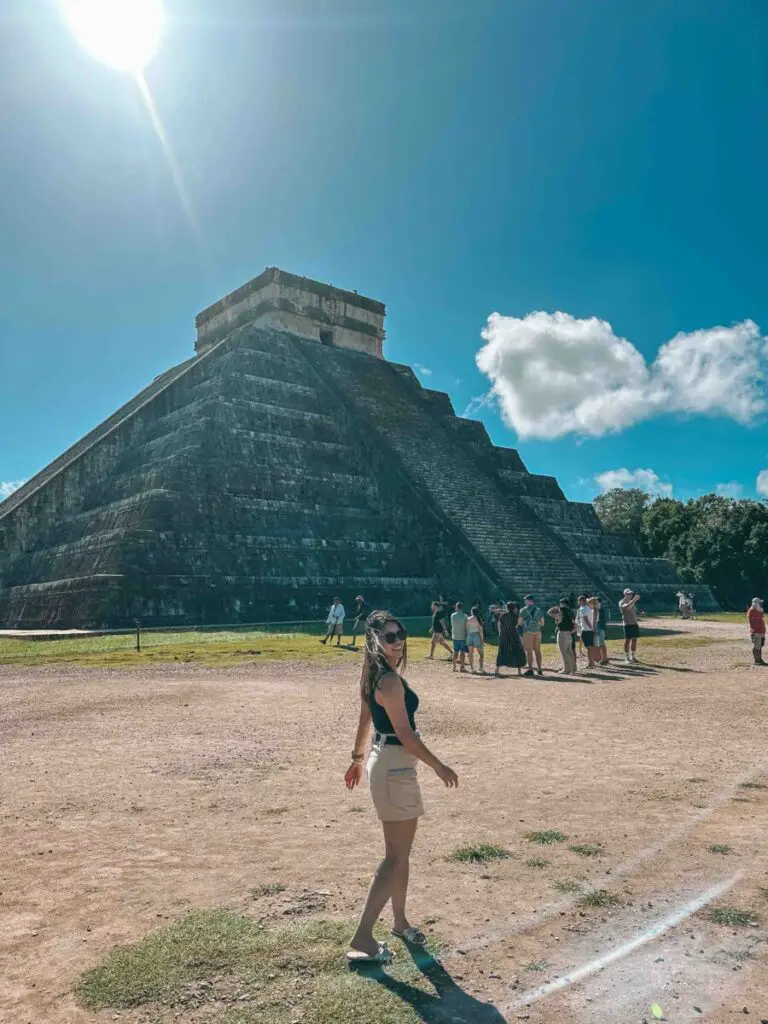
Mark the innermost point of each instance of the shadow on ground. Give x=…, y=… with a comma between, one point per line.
x=451, y=1003
x=655, y=669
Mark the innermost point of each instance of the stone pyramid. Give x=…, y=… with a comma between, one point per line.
x=285, y=463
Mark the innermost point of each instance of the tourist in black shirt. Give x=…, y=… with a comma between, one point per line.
x=361, y=614
x=566, y=631
x=437, y=629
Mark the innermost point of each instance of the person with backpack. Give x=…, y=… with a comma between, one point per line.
x=532, y=621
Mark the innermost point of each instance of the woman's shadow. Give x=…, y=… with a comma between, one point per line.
x=449, y=1004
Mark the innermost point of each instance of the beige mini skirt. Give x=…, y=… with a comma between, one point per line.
x=394, y=783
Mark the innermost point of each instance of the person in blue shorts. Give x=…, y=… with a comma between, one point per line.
x=475, y=639
x=459, y=621
x=601, y=624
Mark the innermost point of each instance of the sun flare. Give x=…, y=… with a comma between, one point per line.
x=122, y=33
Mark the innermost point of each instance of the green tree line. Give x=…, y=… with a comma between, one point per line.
x=722, y=542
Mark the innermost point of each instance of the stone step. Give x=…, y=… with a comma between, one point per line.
x=451, y=473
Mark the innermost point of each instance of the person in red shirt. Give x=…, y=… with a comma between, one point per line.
x=756, y=620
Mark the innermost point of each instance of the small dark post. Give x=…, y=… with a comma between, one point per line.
x=138, y=635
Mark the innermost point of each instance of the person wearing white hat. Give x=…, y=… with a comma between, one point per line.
x=628, y=609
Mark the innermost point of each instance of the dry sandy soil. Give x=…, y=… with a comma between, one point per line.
x=130, y=797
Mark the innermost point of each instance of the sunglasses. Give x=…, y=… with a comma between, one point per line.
x=394, y=637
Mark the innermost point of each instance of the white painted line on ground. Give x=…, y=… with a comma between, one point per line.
x=628, y=866
x=619, y=952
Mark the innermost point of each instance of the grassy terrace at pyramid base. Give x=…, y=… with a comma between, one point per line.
x=284, y=463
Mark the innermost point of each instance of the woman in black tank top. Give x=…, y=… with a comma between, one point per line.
x=389, y=705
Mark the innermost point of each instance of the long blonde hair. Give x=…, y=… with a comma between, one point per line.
x=375, y=663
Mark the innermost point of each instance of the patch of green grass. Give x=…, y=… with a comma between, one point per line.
x=738, y=617
x=480, y=854
x=536, y=862
x=546, y=838
x=587, y=849
x=566, y=885
x=222, y=647
x=239, y=972
x=752, y=785
x=212, y=648
x=731, y=916
x=600, y=898
x=537, y=965
x=356, y=810
x=723, y=848
x=269, y=889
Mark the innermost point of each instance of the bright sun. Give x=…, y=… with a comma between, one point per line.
x=122, y=33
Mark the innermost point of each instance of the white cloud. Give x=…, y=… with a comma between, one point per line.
x=730, y=490
x=7, y=487
x=553, y=374
x=761, y=484
x=474, y=405
x=645, y=479
x=423, y=370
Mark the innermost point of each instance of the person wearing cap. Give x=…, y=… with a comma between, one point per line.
x=361, y=614
x=628, y=609
x=532, y=621
x=756, y=620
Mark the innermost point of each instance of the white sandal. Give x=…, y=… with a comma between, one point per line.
x=356, y=957
x=412, y=936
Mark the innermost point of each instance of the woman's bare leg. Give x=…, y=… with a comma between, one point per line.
x=399, y=836
x=390, y=882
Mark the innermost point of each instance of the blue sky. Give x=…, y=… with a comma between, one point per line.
x=601, y=160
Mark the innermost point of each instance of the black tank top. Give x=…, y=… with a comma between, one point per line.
x=381, y=720
x=566, y=620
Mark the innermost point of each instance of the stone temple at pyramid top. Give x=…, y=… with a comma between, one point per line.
x=305, y=308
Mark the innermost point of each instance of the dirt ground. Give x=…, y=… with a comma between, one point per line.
x=129, y=797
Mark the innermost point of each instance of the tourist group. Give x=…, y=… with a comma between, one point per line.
x=580, y=627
